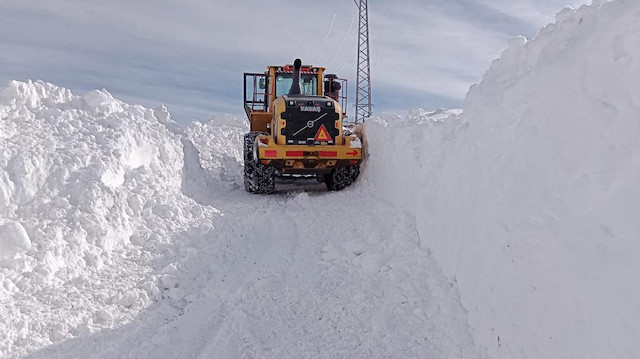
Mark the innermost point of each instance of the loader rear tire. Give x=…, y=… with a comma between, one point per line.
x=258, y=178
x=341, y=177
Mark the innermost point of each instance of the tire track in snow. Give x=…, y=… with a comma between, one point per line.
x=318, y=291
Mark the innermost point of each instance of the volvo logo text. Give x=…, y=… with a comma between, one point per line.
x=310, y=108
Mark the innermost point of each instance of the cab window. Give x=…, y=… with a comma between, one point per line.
x=308, y=84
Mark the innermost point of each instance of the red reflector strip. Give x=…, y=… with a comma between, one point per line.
x=264, y=162
x=328, y=154
x=295, y=153
x=353, y=162
x=271, y=153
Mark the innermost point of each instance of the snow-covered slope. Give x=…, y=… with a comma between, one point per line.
x=530, y=200
x=124, y=235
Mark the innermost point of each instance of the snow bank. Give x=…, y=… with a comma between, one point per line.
x=530, y=200
x=220, y=142
x=88, y=185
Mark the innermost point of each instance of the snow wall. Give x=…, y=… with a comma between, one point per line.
x=91, y=209
x=530, y=199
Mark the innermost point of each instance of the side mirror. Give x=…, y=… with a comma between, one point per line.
x=262, y=83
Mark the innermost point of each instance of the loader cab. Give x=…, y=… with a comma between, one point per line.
x=281, y=79
x=262, y=89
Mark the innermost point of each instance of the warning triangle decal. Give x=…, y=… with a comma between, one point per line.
x=323, y=134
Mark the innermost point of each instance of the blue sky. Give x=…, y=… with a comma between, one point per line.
x=190, y=54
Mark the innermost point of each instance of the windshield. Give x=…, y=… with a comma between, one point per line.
x=308, y=84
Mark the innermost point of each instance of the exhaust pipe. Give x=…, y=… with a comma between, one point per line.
x=295, y=86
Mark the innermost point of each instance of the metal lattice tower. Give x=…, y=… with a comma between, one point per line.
x=363, y=78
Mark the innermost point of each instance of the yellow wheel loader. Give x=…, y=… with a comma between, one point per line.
x=295, y=115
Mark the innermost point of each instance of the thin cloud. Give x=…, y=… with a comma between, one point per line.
x=190, y=55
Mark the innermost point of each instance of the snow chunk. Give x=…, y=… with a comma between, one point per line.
x=6, y=189
x=163, y=115
x=33, y=94
x=102, y=102
x=355, y=143
x=27, y=172
x=103, y=316
x=14, y=240
x=129, y=298
x=113, y=177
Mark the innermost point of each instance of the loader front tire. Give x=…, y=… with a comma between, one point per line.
x=258, y=178
x=341, y=177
